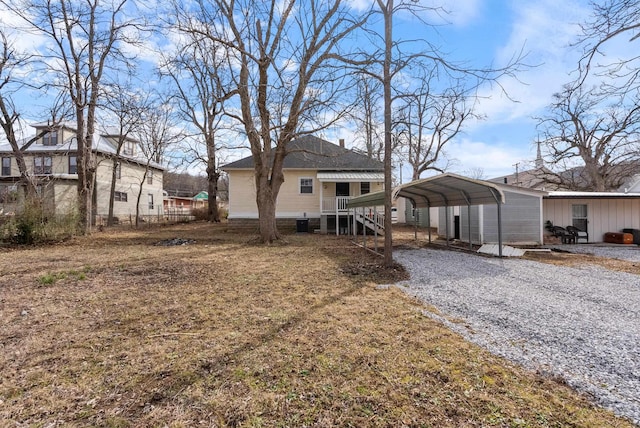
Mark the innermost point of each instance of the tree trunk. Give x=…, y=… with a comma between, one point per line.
x=267, y=217
x=213, y=214
x=266, y=195
x=388, y=37
x=112, y=191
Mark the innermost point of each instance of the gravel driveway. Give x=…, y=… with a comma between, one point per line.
x=580, y=323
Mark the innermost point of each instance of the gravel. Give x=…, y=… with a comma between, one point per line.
x=582, y=324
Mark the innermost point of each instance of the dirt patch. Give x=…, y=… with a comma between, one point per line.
x=575, y=260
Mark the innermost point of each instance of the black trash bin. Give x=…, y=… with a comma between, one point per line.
x=302, y=225
x=635, y=233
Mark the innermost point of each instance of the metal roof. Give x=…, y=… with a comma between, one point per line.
x=352, y=176
x=438, y=191
x=590, y=195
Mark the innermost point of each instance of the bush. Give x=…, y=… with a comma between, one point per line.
x=34, y=225
x=200, y=213
x=203, y=213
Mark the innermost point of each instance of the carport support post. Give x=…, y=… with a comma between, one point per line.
x=499, y=230
x=469, y=225
x=429, y=221
x=446, y=222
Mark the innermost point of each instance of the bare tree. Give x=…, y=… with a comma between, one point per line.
x=431, y=120
x=156, y=135
x=286, y=76
x=366, y=115
x=9, y=61
x=127, y=107
x=85, y=38
x=612, y=20
x=391, y=59
x=592, y=139
x=199, y=71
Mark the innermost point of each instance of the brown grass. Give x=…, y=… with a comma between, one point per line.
x=112, y=330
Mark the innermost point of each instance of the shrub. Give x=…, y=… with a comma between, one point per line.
x=200, y=213
x=34, y=224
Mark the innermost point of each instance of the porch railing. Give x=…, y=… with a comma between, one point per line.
x=335, y=204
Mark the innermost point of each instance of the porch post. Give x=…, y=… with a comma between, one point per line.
x=337, y=217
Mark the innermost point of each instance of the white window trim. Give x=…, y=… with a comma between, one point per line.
x=300, y=186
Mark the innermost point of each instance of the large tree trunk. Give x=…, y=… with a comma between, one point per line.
x=386, y=83
x=212, y=179
x=268, y=182
x=112, y=191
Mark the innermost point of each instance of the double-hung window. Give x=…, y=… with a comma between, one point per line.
x=306, y=185
x=42, y=165
x=6, y=166
x=73, y=164
x=50, y=138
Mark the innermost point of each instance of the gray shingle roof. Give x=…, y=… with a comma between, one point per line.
x=310, y=152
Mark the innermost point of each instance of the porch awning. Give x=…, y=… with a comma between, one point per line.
x=438, y=191
x=354, y=176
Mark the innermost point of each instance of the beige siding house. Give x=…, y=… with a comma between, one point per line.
x=51, y=162
x=319, y=178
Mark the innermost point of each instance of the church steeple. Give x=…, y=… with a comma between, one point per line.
x=539, y=161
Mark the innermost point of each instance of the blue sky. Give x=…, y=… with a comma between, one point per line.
x=488, y=33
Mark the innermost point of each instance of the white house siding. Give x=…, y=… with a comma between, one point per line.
x=604, y=215
x=291, y=203
x=242, y=194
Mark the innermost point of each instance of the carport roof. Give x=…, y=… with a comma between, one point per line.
x=438, y=191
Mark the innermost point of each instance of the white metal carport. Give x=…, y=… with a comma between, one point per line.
x=445, y=190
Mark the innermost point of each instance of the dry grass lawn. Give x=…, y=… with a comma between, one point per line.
x=114, y=331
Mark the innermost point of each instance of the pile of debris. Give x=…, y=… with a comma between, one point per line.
x=175, y=241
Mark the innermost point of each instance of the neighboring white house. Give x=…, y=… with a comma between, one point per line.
x=52, y=164
x=319, y=178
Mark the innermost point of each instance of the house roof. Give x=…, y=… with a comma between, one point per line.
x=591, y=195
x=311, y=152
x=439, y=191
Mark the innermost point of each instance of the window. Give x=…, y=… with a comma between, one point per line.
x=150, y=201
x=73, y=164
x=120, y=197
x=42, y=165
x=50, y=138
x=306, y=185
x=365, y=187
x=6, y=166
x=118, y=170
x=129, y=148
x=150, y=177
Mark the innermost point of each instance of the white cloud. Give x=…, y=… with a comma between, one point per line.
x=545, y=30
x=494, y=159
